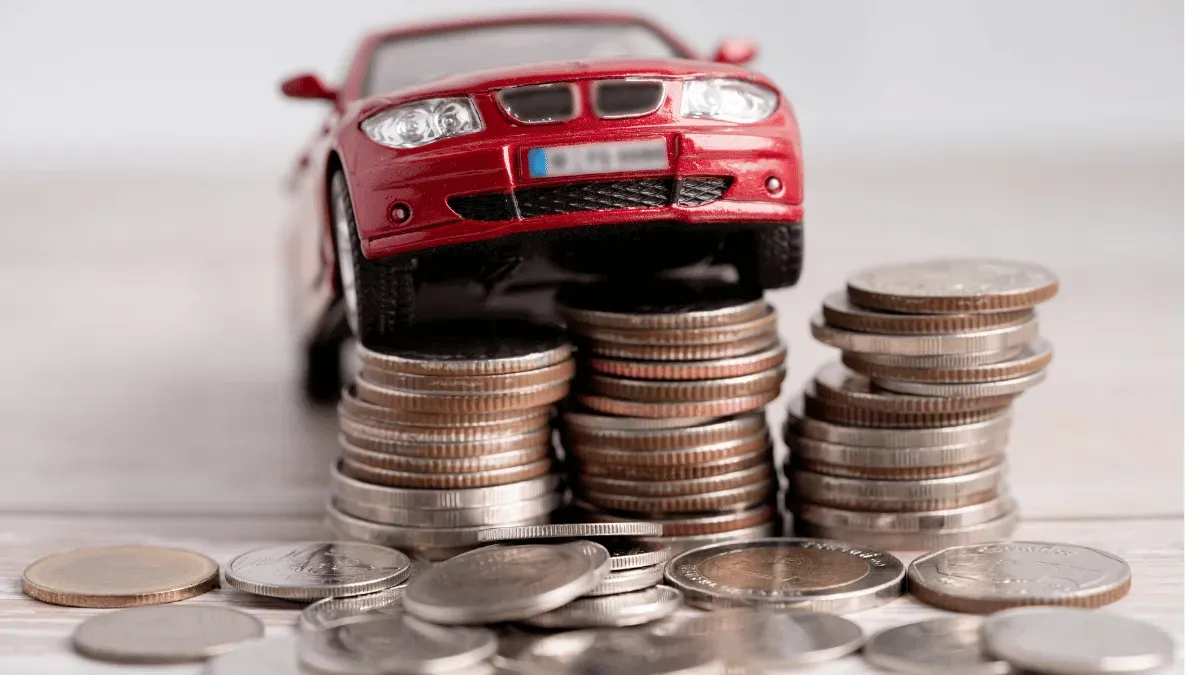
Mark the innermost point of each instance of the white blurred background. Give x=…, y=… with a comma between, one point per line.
x=142, y=144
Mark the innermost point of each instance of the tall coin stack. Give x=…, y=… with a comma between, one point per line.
x=448, y=433
x=667, y=422
x=901, y=444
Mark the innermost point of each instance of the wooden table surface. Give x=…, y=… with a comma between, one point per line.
x=152, y=396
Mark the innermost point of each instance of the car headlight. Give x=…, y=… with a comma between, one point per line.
x=415, y=124
x=728, y=100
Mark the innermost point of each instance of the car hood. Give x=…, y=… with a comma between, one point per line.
x=559, y=71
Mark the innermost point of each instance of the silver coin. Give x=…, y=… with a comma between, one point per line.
x=898, y=495
x=611, y=611
x=991, y=577
x=683, y=544
x=626, y=581
x=793, y=573
x=567, y=530
x=1015, y=385
x=333, y=611
x=659, y=304
x=755, y=641
x=312, y=570
x=992, y=339
x=587, y=652
x=987, y=430
x=939, y=360
x=499, y=514
x=501, y=584
x=598, y=556
x=462, y=347
x=606, y=423
x=810, y=450
x=657, y=488
x=997, y=529
x=933, y=285
x=362, y=492
x=372, y=644
x=414, y=538
x=273, y=656
x=626, y=554
x=912, y=521
x=1063, y=641
x=164, y=633
x=944, y=646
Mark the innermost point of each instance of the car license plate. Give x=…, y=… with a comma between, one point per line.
x=574, y=160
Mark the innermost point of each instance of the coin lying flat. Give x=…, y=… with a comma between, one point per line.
x=616, y=651
x=168, y=634
x=676, y=472
x=990, y=429
x=445, y=481
x=312, y=570
x=990, y=577
x=938, y=361
x=1011, y=387
x=754, y=641
x=986, y=340
x=952, y=286
x=659, y=304
x=471, y=347
x=354, y=426
x=943, y=646
x=1064, y=641
x=416, y=538
x=587, y=455
x=462, y=403
x=826, y=454
x=675, y=488
x=445, y=465
x=329, y=612
x=838, y=384
x=569, y=530
x=276, y=656
x=348, y=488
x=842, y=313
x=794, y=573
x=718, y=407
x=914, y=521
x=840, y=414
x=1027, y=360
x=627, y=581
x=119, y=576
x=685, y=336
x=384, y=644
x=434, y=384
x=623, y=609
x=501, y=584
x=686, y=353
x=732, y=498
x=501, y=514
x=683, y=390
x=731, y=366
x=683, y=544
x=429, y=451
x=353, y=404
x=692, y=525
x=998, y=529
x=863, y=494
x=716, y=431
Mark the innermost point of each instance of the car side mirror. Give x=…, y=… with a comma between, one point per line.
x=307, y=86
x=735, y=51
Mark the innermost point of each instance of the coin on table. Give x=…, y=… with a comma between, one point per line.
x=1067, y=641
x=461, y=347
x=755, y=641
x=985, y=340
x=838, y=384
x=119, y=576
x=313, y=570
x=950, y=286
x=570, y=530
x=611, y=611
x=501, y=584
x=768, y=358
x=345, y=487
x=985, y=578
x=841, y=313
x=626, y=581
x=987, y=390
x=656, y=304
x=794, y=573
x=629, y=652
x=273, y=656
x=373, y=644
x=168, y=634
x=333, y=611
x=1027, y=360
x=944, y=646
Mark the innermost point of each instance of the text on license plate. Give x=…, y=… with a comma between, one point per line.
x=574, y=160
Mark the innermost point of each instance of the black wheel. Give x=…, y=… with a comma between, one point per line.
x=770, y=256
x=379, y=295
x=323, y=371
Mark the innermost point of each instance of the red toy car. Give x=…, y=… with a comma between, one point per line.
x=599, y=142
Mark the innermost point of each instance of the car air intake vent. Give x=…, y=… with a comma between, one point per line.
x=627, y=98
x=539, y=103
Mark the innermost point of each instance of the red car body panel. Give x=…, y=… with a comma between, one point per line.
x=494, y=159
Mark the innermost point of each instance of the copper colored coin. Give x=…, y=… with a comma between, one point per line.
x=841, y=313
x=587, y=455
x=658, y=391
x=730, y=498
x=473, y=464
x=723, y=429
x=733, y=366
x=119, y=576
x=517, y=399
x=853, y=416
x=352, y=404
x=360, y=427
x=444, y=481
x=835, y=383
x=480, y=346
x=952, y=286
x=489, y=446
x=435, y=384
x=1030, y=359
x=651, y=304
x=700, y=524
x=676, y=472
x=680, y=352
x=682, y=336
x=728, y=406
x=675, y=488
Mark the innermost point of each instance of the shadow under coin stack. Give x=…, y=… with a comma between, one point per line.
x=667, y=420
x=447, y=433
x=901, y=445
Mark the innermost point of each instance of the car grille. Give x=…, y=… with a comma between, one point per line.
x=539, y=103
x=627, y=98
x=590, y=196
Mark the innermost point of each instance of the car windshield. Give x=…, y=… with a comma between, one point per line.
x=407, y=61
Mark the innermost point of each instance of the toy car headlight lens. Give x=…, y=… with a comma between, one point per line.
x=415, y=124
x=728, y=101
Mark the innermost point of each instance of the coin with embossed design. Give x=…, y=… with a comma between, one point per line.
x=622, y=609
x=952, y=286
x=331, y=611
x=379, y=643
x=949, y=645
x=312, y=570
x=795, y=573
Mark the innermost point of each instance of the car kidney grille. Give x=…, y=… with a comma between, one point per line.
x=626, y=98
x=540, y=103
x=590, y=196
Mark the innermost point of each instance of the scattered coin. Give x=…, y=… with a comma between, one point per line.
x=985, y=578
x=167, y=634
x=119, y=576
x=472, y=347
x=793, y=573
x=617, y=651
x=1065, y=641
x=952, y=286
x=623, y=609
x=626, y=581
x=501, y=584
x=943, y=646
x=569, y=530
x=312, y=570
x=841, y=313
x=273, y=656
x=329, y=612
x=372, y=644
x=755, y=641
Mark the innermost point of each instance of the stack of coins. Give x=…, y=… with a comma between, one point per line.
x=901, y=444
x=667, y=422
x=448, y=432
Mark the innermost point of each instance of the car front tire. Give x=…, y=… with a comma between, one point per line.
x=770, y=256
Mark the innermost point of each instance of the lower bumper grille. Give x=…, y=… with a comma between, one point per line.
x=590, y=196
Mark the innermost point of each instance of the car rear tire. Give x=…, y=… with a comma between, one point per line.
x=380, y=295
x=770, y=256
